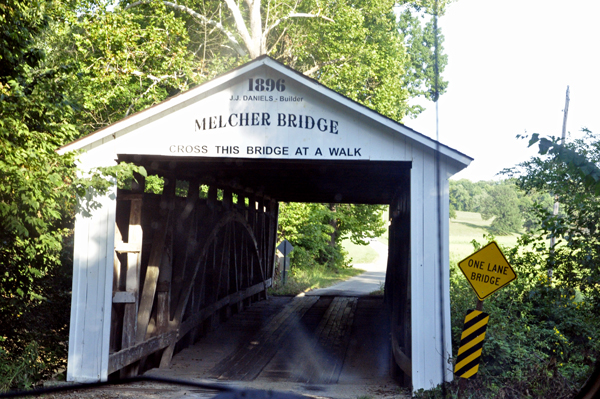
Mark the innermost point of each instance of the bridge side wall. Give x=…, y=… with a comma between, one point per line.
x=427, y=354
x=92, y=285
x=93, y=354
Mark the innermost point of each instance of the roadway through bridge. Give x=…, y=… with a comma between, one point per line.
x=319, y=345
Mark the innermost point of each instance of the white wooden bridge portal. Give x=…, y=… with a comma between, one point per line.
x=152, y=271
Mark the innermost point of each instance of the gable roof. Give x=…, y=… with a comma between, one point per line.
x=333, y=99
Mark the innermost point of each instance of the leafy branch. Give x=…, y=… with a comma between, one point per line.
x=577, y=163
x=234, y=42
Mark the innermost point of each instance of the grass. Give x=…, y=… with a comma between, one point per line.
x=470, y=226
x=360, y=253
x=380, y=291
x=299, y=281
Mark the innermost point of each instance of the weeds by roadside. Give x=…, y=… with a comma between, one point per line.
x=541, y=338
x=302, y=280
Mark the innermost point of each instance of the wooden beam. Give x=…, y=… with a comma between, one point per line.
x=227, y=199
x=125, y=357
x=185, y=223
x=401, y=359
x=127, y=247
x=152, y=272
x=206, y=312
x=117, y=264
x=163, y=288
x=211, y=200
x=132, y=277
x=274, y=225
x=123, y=297
x=133, y=271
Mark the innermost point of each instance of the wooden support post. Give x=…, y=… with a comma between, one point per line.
x=211, y=199
x=134, y=257
x=227, y=199
x=133, y=272
x=117, y=265
x=252, y=223
x=156, y=256
x=162, y=292
x=186, y=226
x=274, y=211
x=398, y=284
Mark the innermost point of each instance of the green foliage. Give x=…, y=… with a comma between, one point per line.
x=118, y=62
x=358, y=222
x=302, y=225
x=38, y=192
x=22, y=371
x=417, y=29
x=366, y=54
x=21, y=21
x=539, y=342
x=502, y=203
x=468, y=196
x=317, y=230
x=541, y=339
x=568, y=172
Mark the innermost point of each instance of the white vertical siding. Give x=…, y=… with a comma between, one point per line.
x=445, y=222
x=427, y=351
x=91, y=300
x=418, y=311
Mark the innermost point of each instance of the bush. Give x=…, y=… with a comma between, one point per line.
x=539, y=341
x=21, y=371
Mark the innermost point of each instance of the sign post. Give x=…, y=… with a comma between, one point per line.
x=285, y=248
x=486, y=270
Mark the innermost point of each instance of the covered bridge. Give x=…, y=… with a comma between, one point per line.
x=151, y=270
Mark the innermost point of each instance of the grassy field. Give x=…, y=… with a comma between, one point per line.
x=469, y=226
x=359, y=253
x=466, y=227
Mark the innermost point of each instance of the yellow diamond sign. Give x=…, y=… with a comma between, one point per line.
x=487, y=270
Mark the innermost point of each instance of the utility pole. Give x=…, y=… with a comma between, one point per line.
x=562, y=142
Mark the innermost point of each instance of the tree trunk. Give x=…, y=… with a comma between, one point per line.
x=333, y=223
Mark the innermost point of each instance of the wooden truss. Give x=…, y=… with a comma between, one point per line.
x=181, y=264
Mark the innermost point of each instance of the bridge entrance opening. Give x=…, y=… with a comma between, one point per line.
x=154, y=272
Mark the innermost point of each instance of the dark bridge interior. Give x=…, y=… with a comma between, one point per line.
x=359, y=182
x=183, y=265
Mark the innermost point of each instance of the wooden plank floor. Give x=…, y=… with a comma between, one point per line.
x=310, y=340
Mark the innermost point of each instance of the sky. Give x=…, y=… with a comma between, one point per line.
x=509, y=64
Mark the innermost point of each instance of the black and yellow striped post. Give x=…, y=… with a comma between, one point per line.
x=471, y=343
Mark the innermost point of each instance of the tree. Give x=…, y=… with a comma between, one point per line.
x=357, y=222
x=468, y=196
x=254, y=30
x=568, y=171
x=357, y=47
x=317, y=230
x=38, y=191
x=503, y=205
x=35, y=199
x=118, y=62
